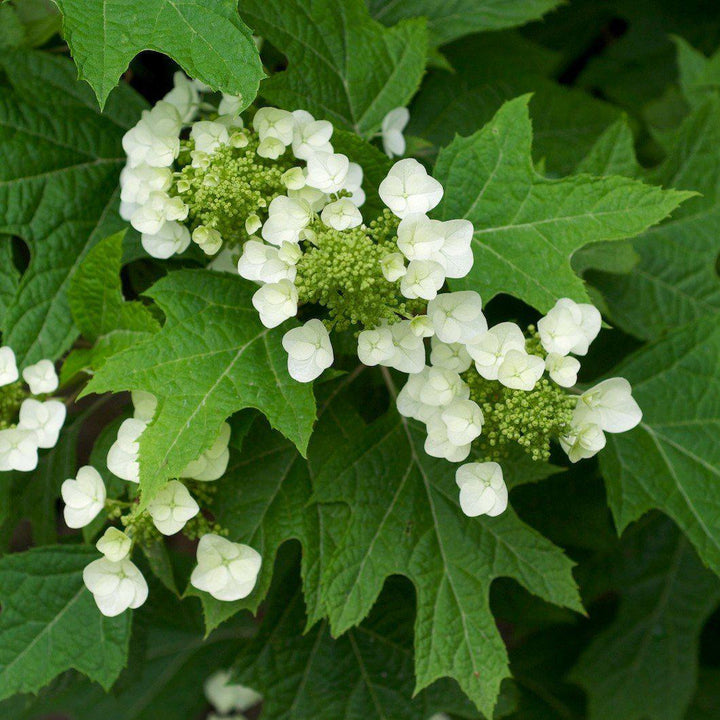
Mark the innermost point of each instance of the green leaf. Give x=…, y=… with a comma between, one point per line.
x=526, y=226
x=676, y=279
x=671, y=461
x=454, y=18
x=613, y=153
x=343, y=65
x=699, y=75
x=58, y=189
x=212, y=358
x=50, y=623
x=405, y=520
x=644, y=665
x=209, y=41
x=9, y=277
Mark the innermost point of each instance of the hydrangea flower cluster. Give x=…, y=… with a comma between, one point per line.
x=30, y=420
x=226, y=570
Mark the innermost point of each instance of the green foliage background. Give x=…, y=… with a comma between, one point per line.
x=583, y=142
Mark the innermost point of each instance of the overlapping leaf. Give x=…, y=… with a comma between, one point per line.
x=526, y=226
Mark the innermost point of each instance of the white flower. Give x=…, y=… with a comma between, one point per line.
x=327, y=172
x=569, y=327
x=172, y=507
x=122, y=458
x=208, y=239
x=393, y=266
x=290, y=253
x=416, y=238
x=613, y=403
x=310, y=135
x=353, y=184
x=155, y=140
x=309, y=350
x=442, y=386
x=490, y=349
x=452, y=356
x=226, y=570
x=18, y=450
x=376, y=347
x=230, y=105
x=116, y=586
x=41, y=377
x=292, y=179
x=227, y=697
x=137, y=183
x=286, y=218
x=457, y=317
x=341, y=214
x=209, y=136
x=184, y=96
x=563, y=369
x=172, y=238
x=422, y=326
x=409, y=356
x=115, y=545
x=463, y=420
x=84, y=497
x=144, y=404
x=520, y=371
x=314, y=198
x=262, y=263
x=274, y=123
x=409, y=189
x=482, y=489
x=8, y=366
x=271, y=148
x=393, y=125
x=585, y=437
x=408, y=399
x=438, y=443
x=159, y=208
x=276, y=302
x=422, y=280
x=455, y=254
x=44, y=419
x=211, y=465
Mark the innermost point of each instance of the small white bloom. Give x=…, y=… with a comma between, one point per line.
x=455, y=254
x=409, y=355
x=122, y=458
x=416, y=238
x=274, y=123
x=115, y=545
x=230, y=105
x=442, y=386
x=84, y=497
x=290, y=253
x=393, y=125
x=211, y=465
x=393, y=266
x=520, y=371
x=409, y=189
x=227, y=697
x=276, y=302
x=286, y=218
x=490, y=349
x=208, y=239
x=463, y=419
x=341, y=214
x=261, y=263
x=422, y=280
x=422, y=326
x=569, y=327
x=353, y=184
x=309, y=350
x=252, y=224
x=18, y=450
x=438, y=443
x=327, y=172
x=482, y=489
x=172, y=507
x=452, y=356
x=376, y=347
x=614, y=405
x=137, y=183
x=173, y=238
x=314, y=198
x=184, y=96
x=45, y=419
x=457, y=317
x=293, y=179
x=8, y=366
x=408, y=399
x=585, y=437
x=144, y=404
x=116, y=586
x=310, y=135
x=159, y=208
x=271, y=148
x=155, y=140
x=226, y=570
x=209, y=136
x=41, y=377
x=563, y=369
